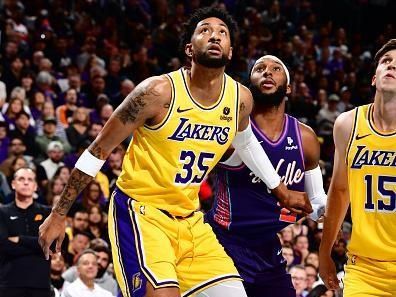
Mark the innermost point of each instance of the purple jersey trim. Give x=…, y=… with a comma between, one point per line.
x=265, y=138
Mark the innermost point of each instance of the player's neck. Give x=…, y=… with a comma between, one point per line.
x=270, y=120
x=385, y=112
x=205, y=83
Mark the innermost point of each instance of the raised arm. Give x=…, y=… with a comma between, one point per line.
x=337, y=201
x=254, y=156
x=145, y=104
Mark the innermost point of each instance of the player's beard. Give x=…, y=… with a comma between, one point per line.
x=268, y=100
x=204, y=59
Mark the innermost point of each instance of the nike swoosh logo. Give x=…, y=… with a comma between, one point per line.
x=358, y=137
x=279, y=252
x=261, y=141
x=13, y=218
x=179, y=110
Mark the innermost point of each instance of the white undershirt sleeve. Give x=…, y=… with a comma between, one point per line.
x=313, y=186
x=254, y=156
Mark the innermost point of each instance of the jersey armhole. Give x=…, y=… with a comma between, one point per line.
x=172, y=101
x=237, y=99
x=352, y=136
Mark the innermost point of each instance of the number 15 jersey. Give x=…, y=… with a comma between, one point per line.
x=371, y=160
x=165, y=164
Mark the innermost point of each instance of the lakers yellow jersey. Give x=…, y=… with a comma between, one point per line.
x=371, y=160
x=165, y=164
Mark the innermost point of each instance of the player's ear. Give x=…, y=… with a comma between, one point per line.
x=373, y=80
x=288, y=89
x=230, y=54
x=188, y=50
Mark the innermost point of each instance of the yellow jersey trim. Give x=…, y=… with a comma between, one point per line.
x=351, y=137
x=237, y=107
x=372, y=125
x=218, y=101
x=172, y=103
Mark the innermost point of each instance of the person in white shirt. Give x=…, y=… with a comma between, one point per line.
x=84, y=285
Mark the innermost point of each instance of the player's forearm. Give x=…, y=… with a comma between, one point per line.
x=337, y=206
x=77, y=182
x=254, y=156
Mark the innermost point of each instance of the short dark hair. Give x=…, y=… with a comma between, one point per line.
x=204, y=13
x=104, y=249
x=390, y=45
x=22, y=113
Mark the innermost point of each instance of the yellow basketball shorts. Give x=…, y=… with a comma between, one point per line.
x=150, y=245
x=365, y=277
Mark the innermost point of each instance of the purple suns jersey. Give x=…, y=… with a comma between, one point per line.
x=243, y=204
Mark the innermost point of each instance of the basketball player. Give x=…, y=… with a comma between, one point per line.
x=365, y=176
x=182, y=124
x=246, y=216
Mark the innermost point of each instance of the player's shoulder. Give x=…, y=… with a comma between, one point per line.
x=307, y=132
x=246, y=98
x=155, y=89
x=157, y=83
x=344, y=122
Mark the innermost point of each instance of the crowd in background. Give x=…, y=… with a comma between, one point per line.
x=66, y=65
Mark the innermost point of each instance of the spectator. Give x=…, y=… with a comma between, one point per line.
x=16, y=148
x=320, y=291
x=94, y=130
x=4, y=141
x=114, y=168
x=288, y=254
x=339, y=254
x=65, y=112
x=63, y=172
x=287, y=235
x=48, y=167
x=77, y=132
x=55, y=188
x=301, y=248
x=299, y=280
x=97, y=223
x=37, y=101
x=104, y=279
x=25, y=132
x=23, y=270
x=345, y=100
x=11, y=110
x=312, y=259
x=17, y=162
x=93, y=196
x=127, y=86
x=49, y=112
x=84, y=285
x=48, y=136
x=57, y=268
x=312, y=276
x=77, y=245
x=327, y=116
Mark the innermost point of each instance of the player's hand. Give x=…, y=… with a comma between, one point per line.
x=53, y=228
x=327, y=272
x=294, y=201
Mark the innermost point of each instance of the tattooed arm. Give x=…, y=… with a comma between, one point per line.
x=245, y=108
x=147, y=103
